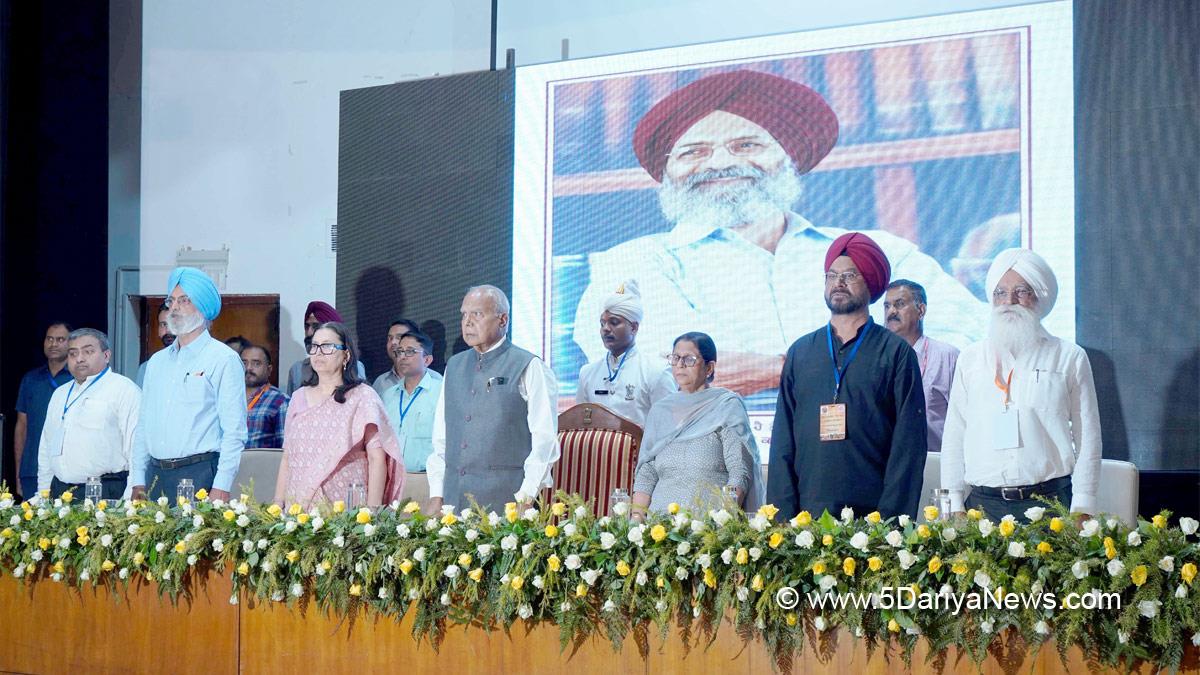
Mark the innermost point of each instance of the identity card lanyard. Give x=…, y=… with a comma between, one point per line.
x=840, y=373
x=612, y=374
x=832, y=423
x=68, y=403
x=404, y=410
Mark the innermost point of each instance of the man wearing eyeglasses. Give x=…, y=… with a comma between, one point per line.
x=729, y=151
x=410, y=406
x=904, y=307
x=850, y=420
x=192, y=423
x=395, y=374
x=1023, y=419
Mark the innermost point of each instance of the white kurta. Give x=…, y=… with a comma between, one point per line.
x=637, y=383
x=1054, y=397
x=95, y=432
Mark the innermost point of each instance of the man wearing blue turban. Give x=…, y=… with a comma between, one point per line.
x=193, y=418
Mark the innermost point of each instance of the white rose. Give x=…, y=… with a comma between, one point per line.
x=660, y=606
x=525, y=549
x=641, y=578
x=317, y=523
x=742, y=593
x=603, y=521
x=368, y=529
x=759, y=522
x=1115, y=567
x=484, y=550
x=805, y=539
x=1016, y=549
x=609, y=606
x=472, y=534
x=704, y=560
x=589, y=576
x=106, y=540
x=266, y=566
x=581, y=512
x=1112, y=523
x=1079, y=569
x=297, y=590
x=538, y=581
x=524, y=610
x=218, y=544
x=1122, y=636
x=1034, y=513
x=20, y=572
x=720, y=517
x=493, y=519
x=57, y=577
x=755, y=553
x=847, y=514
x=1149, y=608
x=635, y=535
x=949, y=534
x=198, y=522
x=727, y=556
x=36, y=555
x=133, y=528
x=1042, y=628
x=894, y=538
x=827, y=582
x=15, y=520
x=167, y=575
x=160, y=546
x=697, y=526
x=1090, y=528
x=683, y=548
x=982, y=579
x=509, y=543
x=160, y=517
x=262, y=544
x=403, y=531
x=248, y=545
x=904, y=520
x=431, y=525
x=946, y=590
x=681, y=573
x=1167, y=564
x=1134, y=539
x=620, y=508
x=445, y=531
x=607, y=540
x=573, y=562
x=906, y=558
x=243, y=520
x=985, y=527
x=819, y=623
x=419, y=554
x=1196, y=639
x=859, y=541
x=445, y=599
x=123, y=573
x=1189, y=525
x=413, y=594
x=1181, y=591
x=191, y=560
x=451, y=571
x=569, y=529
x=85, y=575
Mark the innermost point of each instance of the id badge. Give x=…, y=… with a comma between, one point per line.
x=56, y=441
x=833, y=422
x=1006, y=429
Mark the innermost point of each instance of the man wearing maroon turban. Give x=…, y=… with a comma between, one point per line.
x=737, y=263
x=315, y=314
x=850, y=418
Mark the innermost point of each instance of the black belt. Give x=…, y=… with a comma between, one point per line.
x=183, y=461
x=116, y=475
x=1012, y=494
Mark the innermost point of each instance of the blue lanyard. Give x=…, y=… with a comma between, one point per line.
x=839, y=374
x=68, y=403
x=404, y=409
x=612, y=374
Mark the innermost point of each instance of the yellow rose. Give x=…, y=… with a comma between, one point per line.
x=802, y=519
x=181, y=500
x=302, y=518
x=935, y=564
x=1138, y=575
x=476, y=574
x=274, y=510
x=553, y=563
x=756, y=584
x=44, y=543
x=623, y=568
x=363, y=517
x=180, y=547
x=1110, y=550
x=931, y=513
x=959, y=568
x=5, y=496
x=710, y=577
x=1159, y=521
x=511, y=516
x=1056, y=524
x=818, y=567
x=672, y=508
x=138, y=558
x=45, y=494
x=874, y=564
x=893, y=626
x=581, y=591
x=510, y=507
x=551, y=531
x=923, y=531
x=775, y=540
x=81, y=531
x=243, y=569
x=67, y=497
x=412, y=506
x=658, y=533
x=1188, y=572
x=1006, y=528
x=28, y=515
x=448, y=519
x=660, y=582
x=292, y=556
x=827, y=540
x=558, y=509
x=107, y=565
x=101, y=506
x=83, y=541
x=339, y=506
x=6, y=533
x=295, y=510
x=464, y=560
x=201, y=494
x=516, y=582
x=974, y=514
x=406, y=566
x=768, y=511
x=355, y=590
x=791, y=618
x=1044, y=547
x=58, y=567
x=229, y=515
x=743, y=556
x=848, y=566
x=874, y=517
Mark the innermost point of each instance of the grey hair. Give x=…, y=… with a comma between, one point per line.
x=498, y=297
x=90, y=332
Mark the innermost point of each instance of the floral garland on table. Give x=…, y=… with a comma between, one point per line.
x=615, y=575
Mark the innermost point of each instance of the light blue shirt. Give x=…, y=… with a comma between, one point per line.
x=193, y=401
x=417, y=426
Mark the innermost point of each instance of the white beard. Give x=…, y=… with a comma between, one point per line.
x=183, y=325
x=1014, y=329
x=765, y=196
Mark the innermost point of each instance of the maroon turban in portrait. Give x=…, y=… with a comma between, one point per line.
x=795, y=116
x=872, y=264
x=324, y=312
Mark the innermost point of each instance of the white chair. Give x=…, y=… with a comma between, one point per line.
x=260, y=465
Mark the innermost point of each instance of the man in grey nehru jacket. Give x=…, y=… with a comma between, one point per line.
x=495, y=428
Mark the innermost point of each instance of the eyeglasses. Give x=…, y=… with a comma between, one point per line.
x=687, y=361
x=738, y=147
x=182, y=301
x=1020, y=293
x=843, y=277
x=410, y=352
x=325, y=349
x=897, y=305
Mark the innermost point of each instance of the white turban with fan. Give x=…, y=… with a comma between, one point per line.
x=626, y=302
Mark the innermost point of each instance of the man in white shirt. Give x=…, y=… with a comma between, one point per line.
x=89, y=422
x=481, y=450
x=1023, y=420
x=626, y=381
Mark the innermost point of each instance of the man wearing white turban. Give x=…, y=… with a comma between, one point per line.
x=625, y=381
x=1023, y=420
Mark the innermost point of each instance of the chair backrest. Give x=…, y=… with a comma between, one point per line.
x=260, y=465
x=599, y=453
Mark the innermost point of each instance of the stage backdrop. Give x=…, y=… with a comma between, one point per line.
x=955, y=142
